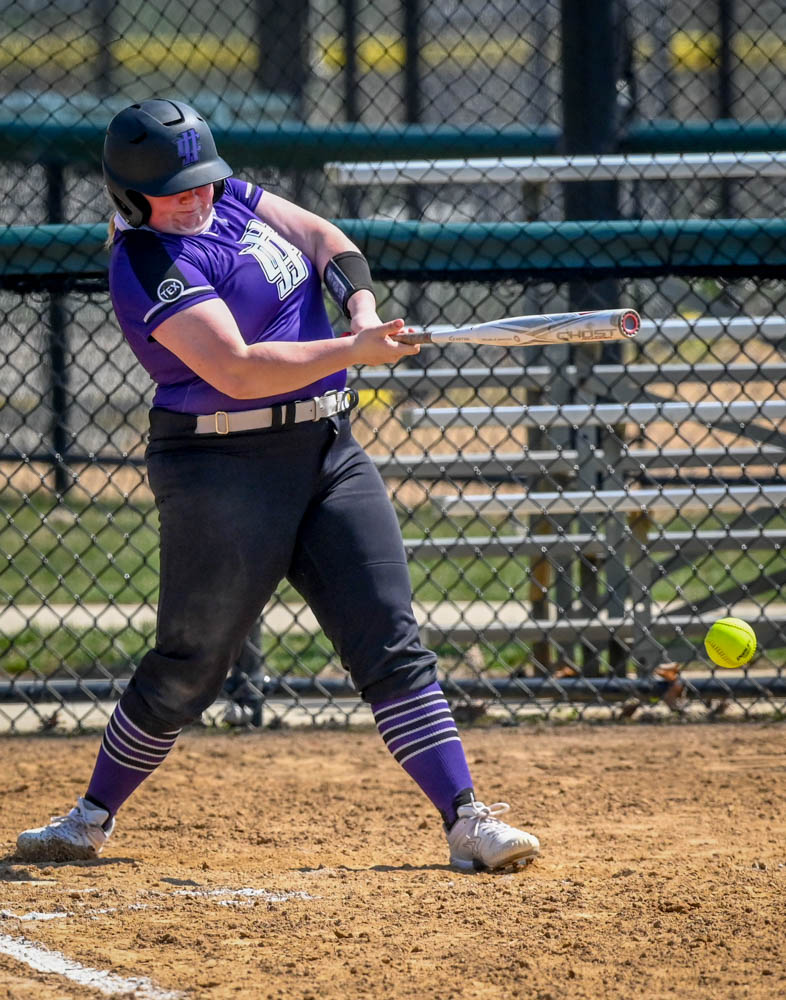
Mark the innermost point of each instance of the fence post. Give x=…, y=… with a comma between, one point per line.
x=351, y=195
x=104, y=59
x=589, y=115
x=282, y=35
x=413, y=100
x=282, y=64
x=725, y=89
x=58, y=341
x=645, y=650
x=248, y=684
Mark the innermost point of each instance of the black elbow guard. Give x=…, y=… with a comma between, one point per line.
x=345, y=274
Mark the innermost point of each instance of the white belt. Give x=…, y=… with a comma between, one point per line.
x=280, y=415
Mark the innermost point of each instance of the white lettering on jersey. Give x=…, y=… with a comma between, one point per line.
x=282, y=263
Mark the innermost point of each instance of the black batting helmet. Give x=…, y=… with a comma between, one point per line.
x=158, y=147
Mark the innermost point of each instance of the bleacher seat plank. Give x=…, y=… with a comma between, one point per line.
x=557, y=546
x=671, y=500
x=740, y=411
x=522, y=464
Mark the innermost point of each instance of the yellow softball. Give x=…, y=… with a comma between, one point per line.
x=730, y=642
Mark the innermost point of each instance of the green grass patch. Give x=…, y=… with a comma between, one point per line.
x=66, y=651
x=716, y=575
x=297, y=654
x=507, y=577
x=108, y=553
x=98, y=552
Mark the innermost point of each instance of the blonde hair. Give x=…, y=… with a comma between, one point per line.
x=110, y=235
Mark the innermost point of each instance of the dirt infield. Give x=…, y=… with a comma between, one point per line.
x=304, y=864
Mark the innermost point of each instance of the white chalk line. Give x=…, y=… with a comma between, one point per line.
x=10, y=915
x=38, y=915
x=222, y=897
x=109, y=983
x=242, y=897
x=44, y=960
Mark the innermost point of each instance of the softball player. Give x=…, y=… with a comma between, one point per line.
x=217, y=285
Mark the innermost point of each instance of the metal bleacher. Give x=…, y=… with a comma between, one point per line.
x=550, y=169
x=495, y=498
x=536, y=497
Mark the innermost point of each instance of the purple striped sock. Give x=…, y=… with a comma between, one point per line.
x=419, y=730
x=127, y=756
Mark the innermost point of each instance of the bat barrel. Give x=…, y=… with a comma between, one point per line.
x=586, y=327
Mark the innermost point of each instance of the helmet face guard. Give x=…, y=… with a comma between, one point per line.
x=158, y=148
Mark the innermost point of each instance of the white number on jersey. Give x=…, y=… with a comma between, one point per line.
x=281, y=262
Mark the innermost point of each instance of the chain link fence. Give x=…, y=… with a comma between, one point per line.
x=575, y=517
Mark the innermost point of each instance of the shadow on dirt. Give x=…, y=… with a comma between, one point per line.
x=13, y=869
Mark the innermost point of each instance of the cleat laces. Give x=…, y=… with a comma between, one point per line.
x=496, y=830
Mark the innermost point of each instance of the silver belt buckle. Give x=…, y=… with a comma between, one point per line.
x=322, y=408
x=219, y=428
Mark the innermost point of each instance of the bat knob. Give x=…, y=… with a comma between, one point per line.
x=630, y=321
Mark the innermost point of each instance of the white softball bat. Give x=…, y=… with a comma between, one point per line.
x=523, y=331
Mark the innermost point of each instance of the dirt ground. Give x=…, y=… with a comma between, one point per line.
x=305, y=864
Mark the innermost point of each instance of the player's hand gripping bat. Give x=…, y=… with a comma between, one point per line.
x=550, y=328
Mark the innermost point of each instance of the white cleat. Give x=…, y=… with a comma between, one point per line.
x=78, y=836
x=479, y=841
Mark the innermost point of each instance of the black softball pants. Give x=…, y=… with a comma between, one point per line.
x=238, y=513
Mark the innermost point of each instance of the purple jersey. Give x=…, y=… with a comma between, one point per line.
x=271, y=288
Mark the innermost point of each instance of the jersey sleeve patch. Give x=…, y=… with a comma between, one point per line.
x=166, y=280
x=172, y=290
